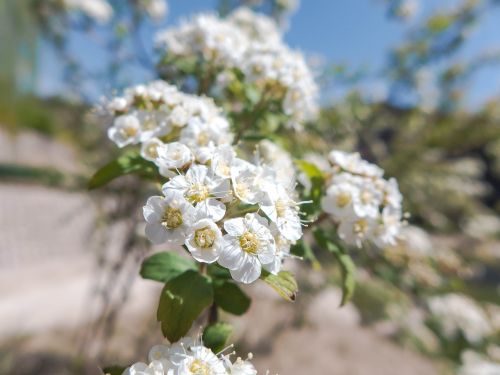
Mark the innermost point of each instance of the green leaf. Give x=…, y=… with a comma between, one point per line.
x=218, y=272
x=317, y=183
x=165, y=266
x=215, y=336
x=126, y=164
x=252, y=93
x=182, y=300
x=346, y=264
x=229, y=297
x=113, y=370
x=303, y=250
x=284, y=283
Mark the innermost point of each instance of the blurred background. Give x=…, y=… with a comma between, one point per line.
x=413, y=85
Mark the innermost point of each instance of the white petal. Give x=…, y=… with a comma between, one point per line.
x=231, y=255
x=235, y=227
x=249, y=270
x=267, y=253
x=212, y=208
x=156, y=233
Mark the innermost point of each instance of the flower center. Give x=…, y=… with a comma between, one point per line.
x=249, y=243
x=197, y=193
x=360, y=227
x=152, y=151
x=203, y=138
x=199, y=367
x=343, y=199
x=172, y=218
x=241, y=190
x=129, y=131
x=204, y=237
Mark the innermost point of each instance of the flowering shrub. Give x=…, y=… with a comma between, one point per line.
x=238, y=203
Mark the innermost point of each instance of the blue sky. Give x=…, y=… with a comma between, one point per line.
x=353, y=32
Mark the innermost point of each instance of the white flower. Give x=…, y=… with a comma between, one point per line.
x=190, y=357
x=156, y=9
x=339, y=199
x=154, y=368
x=149, y=149
x=352, y=163
x=363, y=204
x=126, y=130
x=223, y=158
x=202, y=189
x=355, y=232
x=200, y=361
x=99, y=10
x=203, y=136
x=458, y=313
x=247, y=245
x=204, y=240
x=153, y=124
x=240, y=367
x=388, y=230
x=282, y=210
x=280, y=160
x=282, y=250
x=476, y=364
x=167, y=218
x=173, y=156
x=250, y=181
x=243, y=178
x=256, y=26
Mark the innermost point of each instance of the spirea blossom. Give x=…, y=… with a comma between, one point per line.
x=251, y=44
x=242, y=214
x=154, y=114
x=190, y=357
x=365, y=206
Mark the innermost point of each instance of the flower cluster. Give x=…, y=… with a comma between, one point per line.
x=220, y=207
x=190, y=357
x=252, y=45
x=363, y=204
x=156, y=113
x=456, y=314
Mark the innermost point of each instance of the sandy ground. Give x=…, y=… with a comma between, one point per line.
x=47, y=270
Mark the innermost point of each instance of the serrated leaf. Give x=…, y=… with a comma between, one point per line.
x=182, y=300
x=216, y=335
x=131, y=163
x=346, y=264
x=229, y=297
x=165, y=266
x=113, y=370
x=284, y=283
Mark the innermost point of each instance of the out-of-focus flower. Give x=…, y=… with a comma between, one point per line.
x=476, y=364
x=363, y=204
x=456, y=314
x=99, y=10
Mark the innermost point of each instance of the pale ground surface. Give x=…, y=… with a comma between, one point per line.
x=47, y=269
